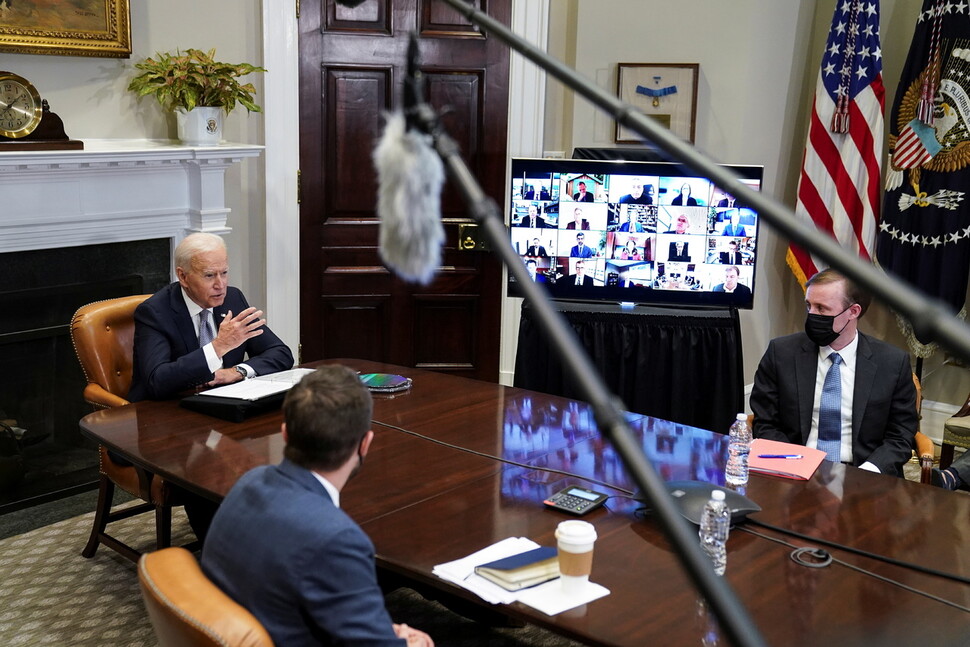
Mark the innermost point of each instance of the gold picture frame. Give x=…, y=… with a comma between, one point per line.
x=666, y=92
x=78, y=28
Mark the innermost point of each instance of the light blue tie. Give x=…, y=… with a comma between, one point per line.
x=205, y=330
x=830, y=412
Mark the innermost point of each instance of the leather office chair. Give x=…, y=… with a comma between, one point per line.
x=187, y=610
x=923, y=446
x=956, y=433
x=103, y=335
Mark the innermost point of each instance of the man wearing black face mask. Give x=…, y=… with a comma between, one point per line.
x=835, y=388
x=280, y=545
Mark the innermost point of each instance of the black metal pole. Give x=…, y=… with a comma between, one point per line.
x=606, y=408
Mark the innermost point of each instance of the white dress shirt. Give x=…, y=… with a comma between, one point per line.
x=213, y=361
x=847, y=375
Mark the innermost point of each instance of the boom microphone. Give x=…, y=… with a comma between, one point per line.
x=410, y=176
x=350, y=3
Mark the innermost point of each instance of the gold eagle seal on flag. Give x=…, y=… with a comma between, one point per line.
x=933, y=135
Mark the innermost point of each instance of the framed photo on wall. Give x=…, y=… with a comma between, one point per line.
x=77, y=28
x=666, y=92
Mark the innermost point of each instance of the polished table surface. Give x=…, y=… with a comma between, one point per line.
x=432, y=490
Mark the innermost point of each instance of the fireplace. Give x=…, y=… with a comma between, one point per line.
x=40, y=378
x=76, y=227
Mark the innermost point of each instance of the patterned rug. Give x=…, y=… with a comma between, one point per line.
x=52, y=596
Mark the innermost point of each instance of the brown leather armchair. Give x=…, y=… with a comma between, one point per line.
x=103, y=334
x=925, y=452
x=187, y=610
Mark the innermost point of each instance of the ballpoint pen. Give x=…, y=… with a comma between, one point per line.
x=792, y=456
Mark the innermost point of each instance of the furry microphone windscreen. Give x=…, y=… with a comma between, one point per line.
x=410, y=176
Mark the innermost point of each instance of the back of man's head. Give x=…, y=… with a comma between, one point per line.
x=852, y=292
x=327, y=415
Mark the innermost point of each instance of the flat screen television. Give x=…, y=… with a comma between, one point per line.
x=633, y=232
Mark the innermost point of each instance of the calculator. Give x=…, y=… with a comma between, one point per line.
x=576, y=500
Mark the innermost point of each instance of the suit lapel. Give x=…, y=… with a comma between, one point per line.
x=806, y=367
x=865, y=373
x=182, y=319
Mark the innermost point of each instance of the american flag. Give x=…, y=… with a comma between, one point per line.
x=839, y=188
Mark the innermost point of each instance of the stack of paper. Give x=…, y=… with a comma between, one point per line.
x=784, y=459
x=260, y=386
x=547, y=597
x=462, y=571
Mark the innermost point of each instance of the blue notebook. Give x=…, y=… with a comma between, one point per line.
x=523, y=570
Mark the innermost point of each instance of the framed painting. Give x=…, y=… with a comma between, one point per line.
x=666, y=92
x=76, y=28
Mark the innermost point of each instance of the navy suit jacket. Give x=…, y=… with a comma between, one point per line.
x=167, y=357
x=883, y=399
x=280, y=547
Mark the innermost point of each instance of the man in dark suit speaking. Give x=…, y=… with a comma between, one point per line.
x=199, y=330
x=281, y=546
x=833, y=388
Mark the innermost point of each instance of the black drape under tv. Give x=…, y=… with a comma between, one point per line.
x=679, y=365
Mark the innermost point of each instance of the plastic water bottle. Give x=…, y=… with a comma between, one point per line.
x=713, y=533
x=739, y=445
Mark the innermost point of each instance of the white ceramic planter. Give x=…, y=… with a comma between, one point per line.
x=201, y=126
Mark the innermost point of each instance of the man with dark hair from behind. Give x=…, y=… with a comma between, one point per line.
x=281, y=546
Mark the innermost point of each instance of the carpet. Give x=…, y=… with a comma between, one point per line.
x=52, y=596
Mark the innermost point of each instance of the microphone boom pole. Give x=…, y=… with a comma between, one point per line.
x=607, y=409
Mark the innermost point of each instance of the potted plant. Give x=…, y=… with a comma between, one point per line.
x=198, y=89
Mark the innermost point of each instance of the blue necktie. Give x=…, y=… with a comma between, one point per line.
x=205, y=330
x=830, y=412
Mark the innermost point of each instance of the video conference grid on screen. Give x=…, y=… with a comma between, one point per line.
x=633, y=232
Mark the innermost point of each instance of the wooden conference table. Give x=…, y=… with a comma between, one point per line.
x=424, y=503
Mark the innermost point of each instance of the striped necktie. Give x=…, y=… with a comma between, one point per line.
x=205, y=330
x=830, y=412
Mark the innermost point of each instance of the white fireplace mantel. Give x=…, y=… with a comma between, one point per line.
x=114, y=191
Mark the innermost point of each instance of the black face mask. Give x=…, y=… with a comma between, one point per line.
x=819, y=328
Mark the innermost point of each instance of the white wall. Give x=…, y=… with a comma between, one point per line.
x=90, y=95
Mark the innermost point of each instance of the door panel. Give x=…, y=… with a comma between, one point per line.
x=352, y=63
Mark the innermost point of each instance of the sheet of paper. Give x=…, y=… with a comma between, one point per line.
x=550, y=598
x=462, y=571
x=261, y=386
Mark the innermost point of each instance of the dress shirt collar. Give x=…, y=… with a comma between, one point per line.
x=194, y=310
x=328, y=486
x=847, y=354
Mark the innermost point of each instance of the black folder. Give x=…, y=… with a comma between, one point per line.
x=232, y=409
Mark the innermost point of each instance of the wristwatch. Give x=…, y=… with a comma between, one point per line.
x=241, y=371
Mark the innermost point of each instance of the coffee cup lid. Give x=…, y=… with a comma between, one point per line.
x=576, y=531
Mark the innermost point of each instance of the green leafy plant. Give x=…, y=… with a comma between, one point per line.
x=194, y=78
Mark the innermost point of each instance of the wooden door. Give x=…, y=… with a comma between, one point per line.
x=352, y=63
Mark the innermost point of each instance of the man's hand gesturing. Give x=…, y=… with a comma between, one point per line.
x=235, y=330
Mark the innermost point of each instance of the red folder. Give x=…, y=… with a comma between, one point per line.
x=792, y=468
